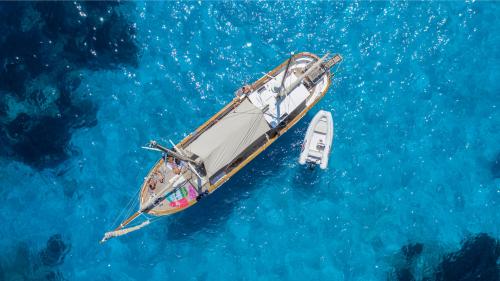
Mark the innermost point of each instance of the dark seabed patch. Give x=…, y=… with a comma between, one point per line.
x=412, y=250
x=44, y=47
x=477, y=260
x=404, y=274
x=408, y=254
x=23, y=262
x=55, y=251
x=495, y=167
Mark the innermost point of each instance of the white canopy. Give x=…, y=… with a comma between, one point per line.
x=229, y=137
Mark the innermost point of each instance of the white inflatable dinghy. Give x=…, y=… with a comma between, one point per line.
x=318, y=140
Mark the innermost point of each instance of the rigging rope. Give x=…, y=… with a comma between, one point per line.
x=129, y=208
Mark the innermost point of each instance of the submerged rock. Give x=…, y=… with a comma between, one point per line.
x=403, y=269
x=476, y=260
x=404, y=274
x=411, y=251
x=54, y=252
x=44, y=46
x=22, y=262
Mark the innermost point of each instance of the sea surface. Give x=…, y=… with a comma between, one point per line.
x=412, y=191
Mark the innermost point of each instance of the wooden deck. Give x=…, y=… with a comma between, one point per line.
x=162, y=179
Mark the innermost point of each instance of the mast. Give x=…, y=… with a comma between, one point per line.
x=153, y=145
x=286, y=72
x=189, y=164
x=181, y=154
x=281, y=88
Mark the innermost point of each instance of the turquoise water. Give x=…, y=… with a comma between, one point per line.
x=416, y=154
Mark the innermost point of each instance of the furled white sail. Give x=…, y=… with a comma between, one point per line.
x=230, y=136
x=120, y=232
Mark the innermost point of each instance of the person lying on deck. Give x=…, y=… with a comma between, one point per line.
x=173, y=165
x=152, y=183
x=154, y=179
x=244, y=90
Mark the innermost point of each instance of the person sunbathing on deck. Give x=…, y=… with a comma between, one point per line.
x=173, y=166
x=152, y=183
x=244, y=90
x=154, y=179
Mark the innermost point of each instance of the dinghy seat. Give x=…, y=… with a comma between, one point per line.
x=321, y=128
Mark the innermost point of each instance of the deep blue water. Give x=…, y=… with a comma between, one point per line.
x=413, y=186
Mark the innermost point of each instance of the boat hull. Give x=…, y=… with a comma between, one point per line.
x=219, y=182
x=318, y=140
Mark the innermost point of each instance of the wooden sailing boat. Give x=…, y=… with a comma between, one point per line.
x=204, y=160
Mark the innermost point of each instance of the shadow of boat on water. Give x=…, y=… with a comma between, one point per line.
x=306, y=176
x=213, y=210
x=310, y=181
